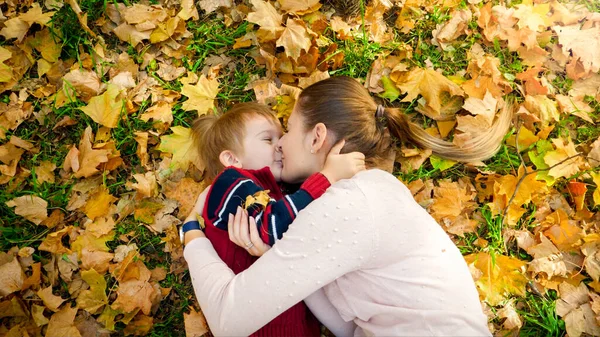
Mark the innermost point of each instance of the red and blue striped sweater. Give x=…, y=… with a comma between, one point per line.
x=230, y=190
x=231, y=187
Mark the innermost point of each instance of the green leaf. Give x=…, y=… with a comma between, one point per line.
x=391, y=91
x=441, y=163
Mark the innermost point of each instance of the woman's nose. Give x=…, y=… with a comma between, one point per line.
x=280, y=142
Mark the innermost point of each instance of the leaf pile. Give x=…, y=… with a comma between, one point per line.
x=97, y=166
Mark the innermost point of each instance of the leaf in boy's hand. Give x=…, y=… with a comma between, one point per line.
x=259, y=198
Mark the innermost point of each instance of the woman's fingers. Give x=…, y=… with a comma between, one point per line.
x=259, y=247
x=243, y=232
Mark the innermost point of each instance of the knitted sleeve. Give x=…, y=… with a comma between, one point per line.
x=273, y=217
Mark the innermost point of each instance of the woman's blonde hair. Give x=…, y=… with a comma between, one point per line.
x=213, y=134
x=347, y=109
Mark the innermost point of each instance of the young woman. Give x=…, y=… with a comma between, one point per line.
x=373, y=262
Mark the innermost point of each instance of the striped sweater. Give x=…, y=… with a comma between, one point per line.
x=232, y=186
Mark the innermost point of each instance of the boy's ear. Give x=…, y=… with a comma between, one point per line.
x=228, y=158
x=319, y=134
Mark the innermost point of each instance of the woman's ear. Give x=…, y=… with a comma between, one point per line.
x=228, y=158
x=319, y=135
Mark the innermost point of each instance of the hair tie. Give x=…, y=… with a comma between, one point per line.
x=379, y=112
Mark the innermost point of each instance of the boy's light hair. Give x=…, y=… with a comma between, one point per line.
x=214, y=134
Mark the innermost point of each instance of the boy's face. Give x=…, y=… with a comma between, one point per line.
x=260, y=146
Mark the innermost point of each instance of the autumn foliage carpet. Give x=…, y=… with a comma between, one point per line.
x=97, y=168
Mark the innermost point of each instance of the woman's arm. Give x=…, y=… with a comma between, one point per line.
x=331, y=237
x=327, y=314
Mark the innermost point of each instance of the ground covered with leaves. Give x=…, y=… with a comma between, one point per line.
x=97, y=167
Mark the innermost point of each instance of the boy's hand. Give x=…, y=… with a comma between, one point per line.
x=342, y=166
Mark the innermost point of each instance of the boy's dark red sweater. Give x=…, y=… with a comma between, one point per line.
x=230, y=190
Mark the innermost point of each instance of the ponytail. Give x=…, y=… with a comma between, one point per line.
x=480, y=147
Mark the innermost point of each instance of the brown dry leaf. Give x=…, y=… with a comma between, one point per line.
x=575, y=106
x=500, y=276
x=62, y=323
x=136, y=294
x=142, y=147
x=129, y=33
x=86, y=83
x=210, y=6
x=45, y=172
x=181, y=146
x=31, y=207
x=96, y=260
x=106, y=108
x=189, y=10
x=485, y=107
x=450, y=30
x=547, y=259
x=195, y=323
x=294, y=38
x=181, y=192
x=146, y=185
x=267, y=17
x=581, y=43
x=161, y=111
x=99, y=203
x=574, y=307
x=53, y=241
x=512, y=318
x=11, y=274
x=84, y=162
x=543, y=107
x=299, y=7
x=51, y=301
x=139, y=326
x=201, y=97
x=428, y=83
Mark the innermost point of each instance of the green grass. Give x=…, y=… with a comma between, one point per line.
x=539, y=316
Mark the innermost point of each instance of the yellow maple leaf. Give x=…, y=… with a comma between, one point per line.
x=106, y=108
x=94, y=298
x=428, y=83
x=99, y=203
x=261, y=198
x=6, y=72
x=294, y=38
x=181, y=145
x=499, y=276
x=543, y=107
x=596, y=179
x=201, y=97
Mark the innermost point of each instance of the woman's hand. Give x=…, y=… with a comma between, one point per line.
x=342, y=166
x=244, y=233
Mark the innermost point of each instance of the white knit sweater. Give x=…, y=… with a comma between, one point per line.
x=384, y=265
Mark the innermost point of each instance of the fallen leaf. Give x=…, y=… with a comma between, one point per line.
x=11, y=274
x=428, y=83
x=201, y=97
x=547, y=259
x=581, y=43
x=485, y=107
x=37, y=313
x=62, y=323
x=51, y=301
x=139, y=326
x=106, y=108
x=267, y=17
x=181, y=146
x=501, y=276
x=99, y=203
x=95, y=298
x=294, y=39
x=564, y=149
x=195, y=323
x=31, y=207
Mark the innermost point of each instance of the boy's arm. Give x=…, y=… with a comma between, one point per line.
x=274, y=219
x=231, y=188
